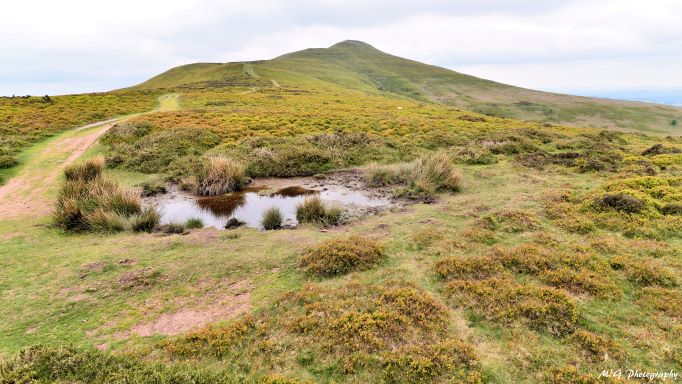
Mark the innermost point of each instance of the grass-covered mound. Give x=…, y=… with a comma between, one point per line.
x=393, y=332
x=89, y=201
x=342, y=255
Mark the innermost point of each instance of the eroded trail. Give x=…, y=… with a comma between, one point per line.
x=28, y=193
x=31, y=193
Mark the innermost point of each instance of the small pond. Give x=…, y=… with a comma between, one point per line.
x=248, y=205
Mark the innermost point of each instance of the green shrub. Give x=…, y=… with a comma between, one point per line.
x=672, y=209
x=194, y=223
x=7, y=161
x=220, y=175
x=287, y=160
x=158, y=151
x=343, y=255
x=85, y=171
x=313, y=210
x=621, y=202
x=272, y=219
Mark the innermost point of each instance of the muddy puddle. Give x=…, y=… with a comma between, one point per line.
x=247, y=206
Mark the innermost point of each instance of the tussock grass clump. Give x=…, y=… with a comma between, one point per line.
x=89, y=201
x=153, y=186
x=504, y=301
x=423, y=177
x=194, y=223
x=313, y=210
x=84, y=171
x=511, y=220
x=220, y=175
x=343, y=255
x=434, y=173
x=468, y=268
x=582, y=281
x=377, y=175
x=272, y=219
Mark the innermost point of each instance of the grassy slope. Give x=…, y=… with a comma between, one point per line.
x=51, y=295
x=356, y=65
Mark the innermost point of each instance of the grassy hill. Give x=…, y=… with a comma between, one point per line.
x=567, y=238
x=359, y=66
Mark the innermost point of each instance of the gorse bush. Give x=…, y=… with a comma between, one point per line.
x=504, y=301
x=582, y=281
x=645, y=272
x=468, y=268
x=69, y=365
x=340, y=256
x=220, y=175
x=272, y=219
x=512, y=221
x=313, y=210
x=7, y=161
x=621, y=202
x=88, y=201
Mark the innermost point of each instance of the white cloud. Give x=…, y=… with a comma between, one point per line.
x=77, y=45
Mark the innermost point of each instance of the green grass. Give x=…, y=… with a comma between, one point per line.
x=357, y=66
x=522, y=225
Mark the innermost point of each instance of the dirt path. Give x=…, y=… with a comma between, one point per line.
x=28, y=193
x=31, y=193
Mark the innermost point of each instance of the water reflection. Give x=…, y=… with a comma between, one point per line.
x=248, y=205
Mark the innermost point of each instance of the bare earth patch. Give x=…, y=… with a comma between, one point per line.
x=230, y=302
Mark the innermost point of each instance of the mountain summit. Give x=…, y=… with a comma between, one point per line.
x=356, y=65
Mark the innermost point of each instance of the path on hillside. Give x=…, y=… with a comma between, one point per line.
x=28, y=193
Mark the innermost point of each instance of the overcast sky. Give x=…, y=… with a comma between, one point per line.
x=72, y=46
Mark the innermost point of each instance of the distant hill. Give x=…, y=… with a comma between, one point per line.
x=359, y=66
